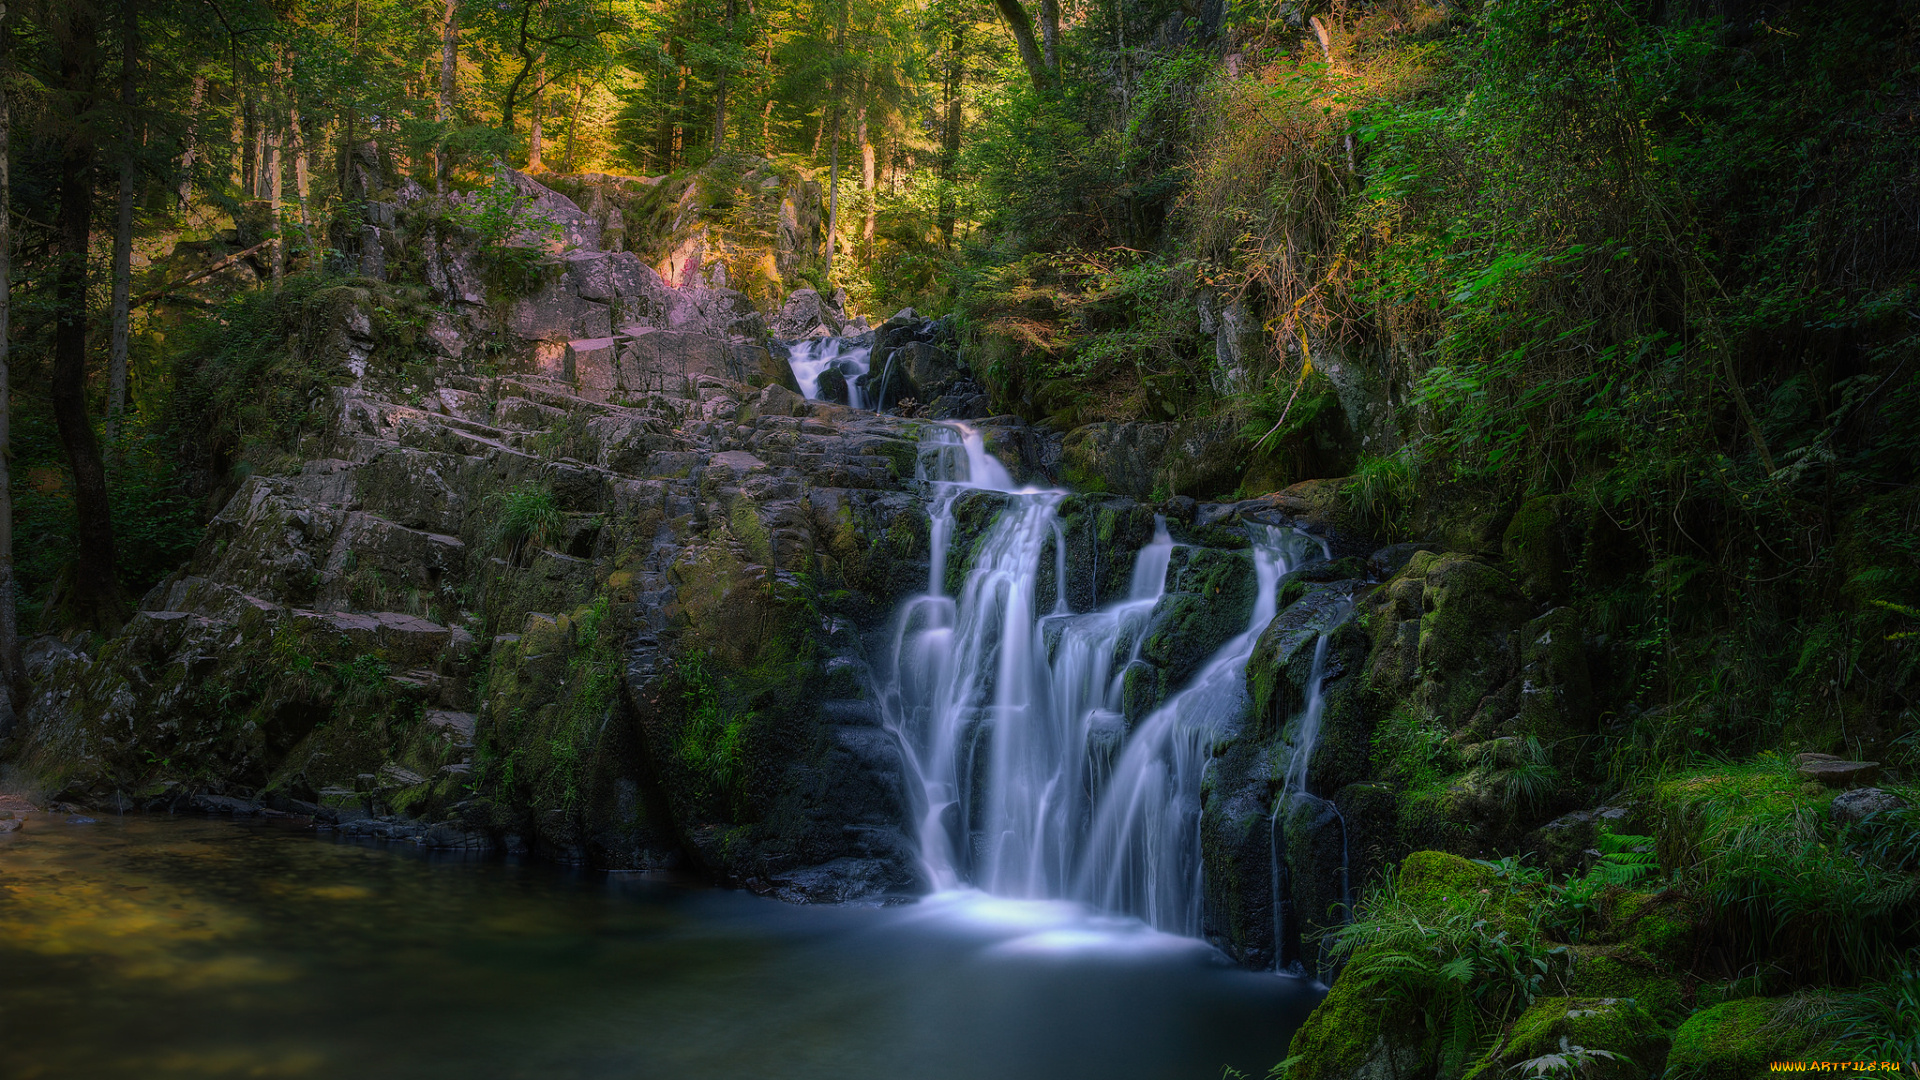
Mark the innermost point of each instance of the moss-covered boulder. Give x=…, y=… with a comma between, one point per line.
x=1615, y=1037
x=1736, y=1040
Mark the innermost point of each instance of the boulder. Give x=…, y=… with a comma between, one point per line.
x=1853, y=806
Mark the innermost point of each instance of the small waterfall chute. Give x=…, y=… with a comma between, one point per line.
x=846, y=357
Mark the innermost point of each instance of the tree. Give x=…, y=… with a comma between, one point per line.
x=1022, y=28
x=93, y=595
x=10, y=671
x=123, y=224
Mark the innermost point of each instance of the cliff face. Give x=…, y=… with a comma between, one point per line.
x=572, y=569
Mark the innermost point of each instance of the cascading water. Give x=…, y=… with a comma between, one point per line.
x=1029, y=782
x=811, y=358
x=1294, y=784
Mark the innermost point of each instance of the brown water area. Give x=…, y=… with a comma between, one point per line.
x=160, y=947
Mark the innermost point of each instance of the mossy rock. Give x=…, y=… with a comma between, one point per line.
x=1625, y=971
x=1536, y=549
x=1355, y=1035
x=1736, y=1040
x=1440, y=880
x=1617, y=1026
x=1663, y=925
x=1700, y=807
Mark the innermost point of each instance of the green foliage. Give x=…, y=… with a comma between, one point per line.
x=1569, y=1061
x=527, y=520
x=712, y=740
x=1881, y=1022
x=1466, y=964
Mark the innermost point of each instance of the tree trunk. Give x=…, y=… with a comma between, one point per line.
x=10, y=673
x=275, y=170
x=122, y=230
x=1050, y=37
x=1022, y=27
x=449, y=51
x=239, y=135
x=833, y=174
x=259, y=123
x=720, y=87
x=868, y=180
x=93, y=595
x=193, y=130
x=950, y=130
x=534, y=164
x=302, y=186
x=573, y=124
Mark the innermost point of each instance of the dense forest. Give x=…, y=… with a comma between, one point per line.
x=1586, y=332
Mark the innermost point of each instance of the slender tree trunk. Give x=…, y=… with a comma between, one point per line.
x=122, y=229
x=302, y=183
x=1050, y=37
x=534, y=164
x=239, y=135
x=720, y=84
x=259, y=124
x=766, y=109
x=10, y=673
x=833, y=174
x=93, y=595
x=677, y=155
x=1022, y=27
x=868, y=180
x=193, y=131
x=950, y=130
x=275, y=171
x=449, y=51
x=573, y=124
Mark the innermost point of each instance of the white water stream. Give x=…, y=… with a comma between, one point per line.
x=811, y=358
x=1031, y=784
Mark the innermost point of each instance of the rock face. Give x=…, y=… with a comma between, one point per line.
x=665, y=665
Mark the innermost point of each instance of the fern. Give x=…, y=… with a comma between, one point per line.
x=1624, y=860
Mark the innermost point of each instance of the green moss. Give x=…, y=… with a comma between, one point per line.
x=1703, y=807
x=1442, y=880
x=1352, y=1032
x=1664, y=925
x=1535, y=550
x=1735, y=1040
x=1615, y=1025
x=1624, y=971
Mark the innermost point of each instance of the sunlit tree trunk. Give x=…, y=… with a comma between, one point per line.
x=573, y=124
x=534, y=164
x=868, y=179
x=449, y=51
x=720, y=85
x=833, y=174
x=187, y=153
x=275, y=170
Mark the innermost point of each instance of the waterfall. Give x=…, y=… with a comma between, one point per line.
x=811, y=358
x=1029, y=783
x=1294, y=783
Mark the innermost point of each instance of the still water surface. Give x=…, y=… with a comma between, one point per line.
x=159, y=948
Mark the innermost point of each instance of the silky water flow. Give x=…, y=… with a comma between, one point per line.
x=1031, y=784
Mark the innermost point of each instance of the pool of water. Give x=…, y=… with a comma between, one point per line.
x=155, y=947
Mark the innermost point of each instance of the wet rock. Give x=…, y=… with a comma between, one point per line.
x=1201, y=458
x=1834, y=772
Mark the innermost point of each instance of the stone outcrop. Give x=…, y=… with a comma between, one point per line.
x=664, y=667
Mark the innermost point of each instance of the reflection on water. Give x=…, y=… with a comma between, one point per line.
x=183, y=948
